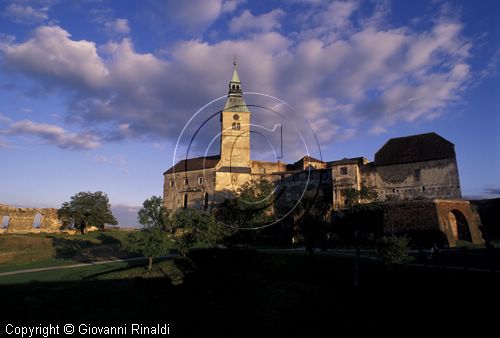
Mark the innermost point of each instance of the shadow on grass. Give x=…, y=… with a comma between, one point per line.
x=248, y=293
x=85, y=251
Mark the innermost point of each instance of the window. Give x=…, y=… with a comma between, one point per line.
x=186, y=181
x=238, y=126
x=234, y=126
x=171, y=183
x=185, y=201
x=200, y=180
x=262, y=171
x=343, y=171
x=423, y=188
x=416, y=174
x=205, y=204
x=37, y=221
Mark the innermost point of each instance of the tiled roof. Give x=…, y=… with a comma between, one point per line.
x=196, y=163
x=423, y=147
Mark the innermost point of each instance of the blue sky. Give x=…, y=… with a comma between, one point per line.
x=93, y=94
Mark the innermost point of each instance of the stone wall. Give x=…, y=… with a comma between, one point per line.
x=175, y=189
x=21, y=220
x=437, y=216
x=426, y=179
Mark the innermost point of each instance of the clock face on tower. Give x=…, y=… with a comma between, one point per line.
x=236, y=117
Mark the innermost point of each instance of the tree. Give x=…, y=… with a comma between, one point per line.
x=154, y=214
x=363, y=195
x=193, y=228
x=394, y=250
x=87, y=209
x=251, y=206
x=150, y=242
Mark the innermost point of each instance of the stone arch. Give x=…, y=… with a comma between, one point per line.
x=37, y=221
x=459, y=226
x=5, y=222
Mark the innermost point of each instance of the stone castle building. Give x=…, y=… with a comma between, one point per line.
x=412, y=168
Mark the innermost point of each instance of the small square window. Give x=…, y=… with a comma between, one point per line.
x=416, y=174
x=186, y=181
x=171, y=183
x=200, y=180
x=343, y=171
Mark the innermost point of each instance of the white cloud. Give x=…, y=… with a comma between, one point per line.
x=117, y=27
x=248, y=22
x=25, y=14
x=229, y=6
x=51, y=54
x=194, y=14
x=53, y=134
x=366, y=80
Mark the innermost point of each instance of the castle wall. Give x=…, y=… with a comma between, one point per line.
x=195, y=191
x=437, y=216
x=426, y=180
x=21, y=220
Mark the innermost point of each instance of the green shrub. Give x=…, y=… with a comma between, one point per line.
x=394, y=250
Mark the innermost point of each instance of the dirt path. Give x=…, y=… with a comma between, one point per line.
x=79, y=265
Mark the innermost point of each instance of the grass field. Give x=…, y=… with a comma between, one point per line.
x=41, y=250
x=249, y=293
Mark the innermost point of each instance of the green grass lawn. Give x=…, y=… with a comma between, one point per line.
x=28, y=251
x=248, y=293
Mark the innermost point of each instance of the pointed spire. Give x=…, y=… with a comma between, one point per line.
x=235, y=101
x=235, y=78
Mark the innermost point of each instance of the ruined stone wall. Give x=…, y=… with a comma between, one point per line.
x=21, y=220
x=174, y=188
x=446, y=207
x=424, y=180
x=431, y=216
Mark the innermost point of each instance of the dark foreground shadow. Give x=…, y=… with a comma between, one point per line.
x=246, y=293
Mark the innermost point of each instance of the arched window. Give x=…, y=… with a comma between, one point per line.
x=237, y=86
x=233, y=87
x=205, y=204
x=238, y=126
x=5, y=222
x=185, y=201
x=37, y=221
x=234, y=126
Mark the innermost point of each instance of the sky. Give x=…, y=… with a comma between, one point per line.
x=95, y=95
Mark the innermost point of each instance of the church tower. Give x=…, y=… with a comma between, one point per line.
x=235, y=136
x=235, y=129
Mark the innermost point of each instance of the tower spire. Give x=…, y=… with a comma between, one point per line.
x=235, y=95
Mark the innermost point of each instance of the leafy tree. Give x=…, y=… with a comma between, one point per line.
x=311, y=218
x=193, y=228
x=394, y=250
x=87, y=209
x=154, y=214
x=364, y=194
x=150, y=242
x=251, y=206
